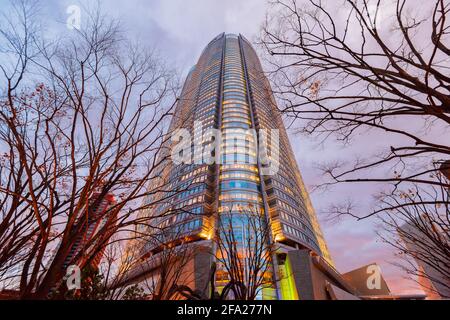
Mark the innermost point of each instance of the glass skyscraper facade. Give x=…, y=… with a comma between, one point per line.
x=228, y=91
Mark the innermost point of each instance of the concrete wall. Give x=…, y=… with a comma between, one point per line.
x=311, y=280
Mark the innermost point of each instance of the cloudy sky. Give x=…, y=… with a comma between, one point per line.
x=180, y=29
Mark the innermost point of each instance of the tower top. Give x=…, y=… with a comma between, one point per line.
x=232, y=35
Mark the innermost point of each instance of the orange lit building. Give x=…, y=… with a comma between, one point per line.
x=227, y=91
x=98, y=219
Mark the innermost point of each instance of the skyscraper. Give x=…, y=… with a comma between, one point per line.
x=226, y=93
x=97, y=220
x=431, y=274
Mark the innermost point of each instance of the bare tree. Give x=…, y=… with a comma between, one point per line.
x=92, y=126
x=103, y=282
x=376, y=67
x=172, y=265
x=421, y=235
x=244, y=254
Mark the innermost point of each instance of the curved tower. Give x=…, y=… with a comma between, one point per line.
x=227, y=101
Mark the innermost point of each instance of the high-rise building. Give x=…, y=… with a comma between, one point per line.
x=226, y=92
x=431, y=275
x=97, y=220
